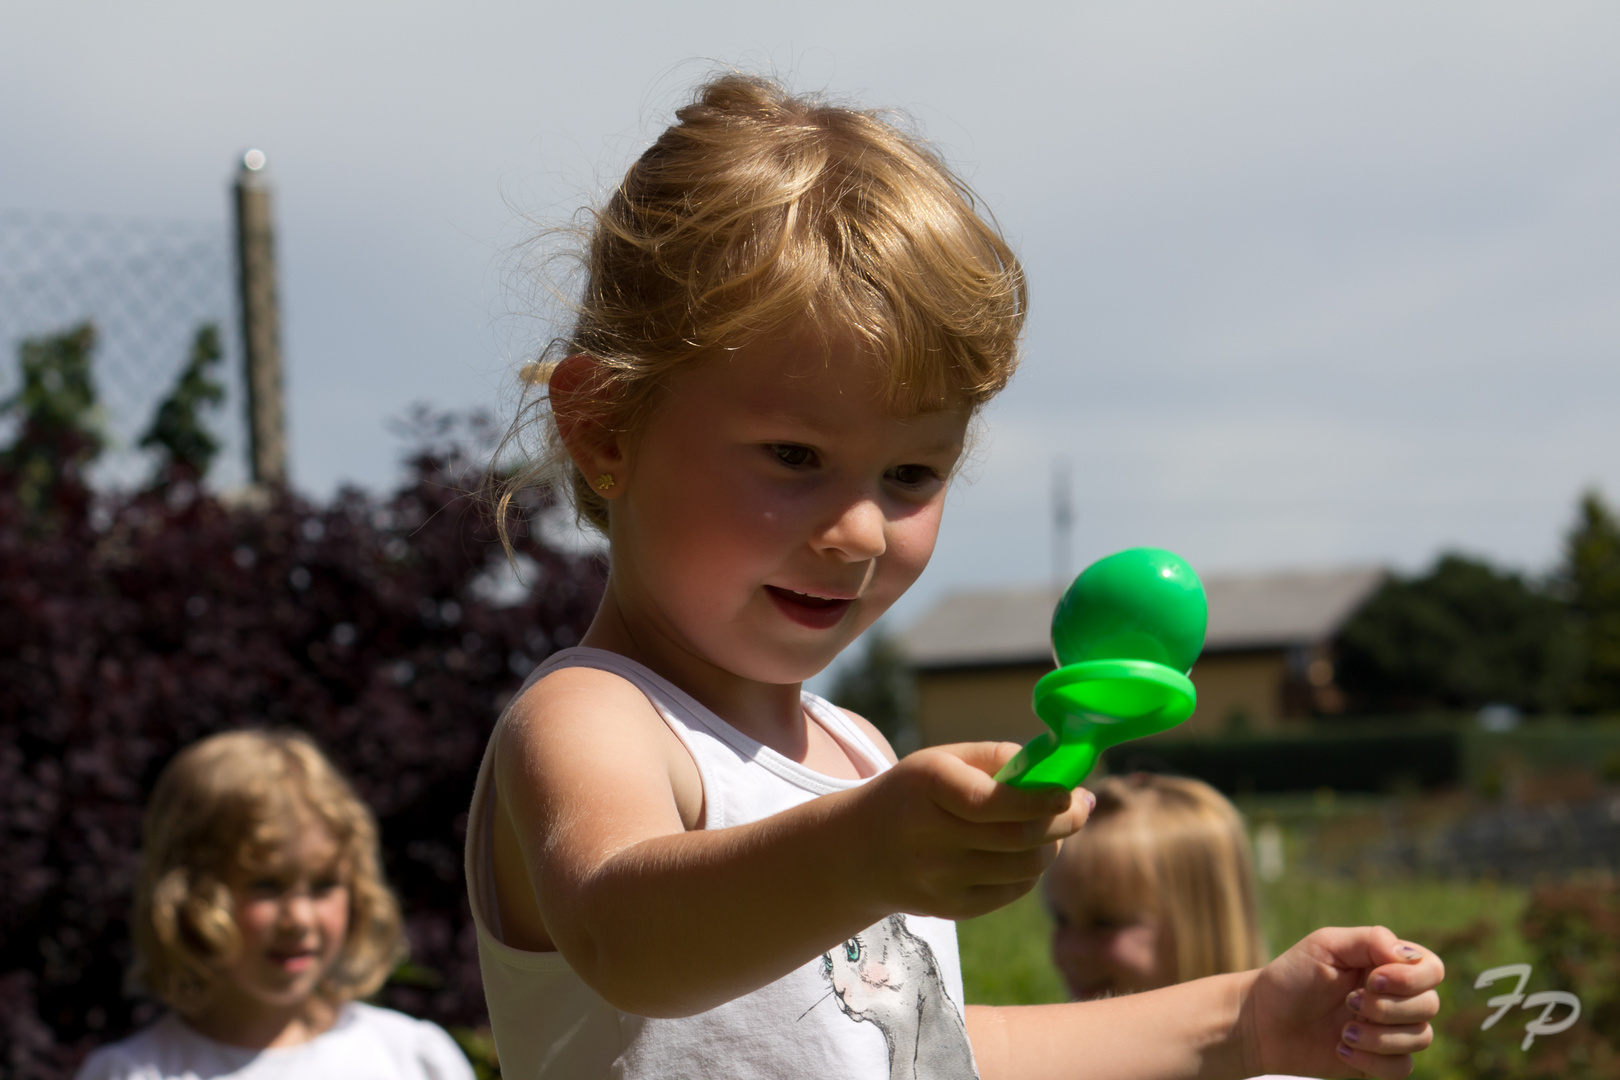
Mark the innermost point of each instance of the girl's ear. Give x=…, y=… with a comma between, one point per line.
x=574, y=386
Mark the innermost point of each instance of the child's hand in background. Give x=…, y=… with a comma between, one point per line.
x=1343, y=1002
x=944, y=838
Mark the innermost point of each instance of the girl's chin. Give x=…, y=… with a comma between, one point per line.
x=770, y=659
x=294, y=974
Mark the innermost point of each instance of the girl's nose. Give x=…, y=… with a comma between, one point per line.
x=857, y=534
x=297, y=909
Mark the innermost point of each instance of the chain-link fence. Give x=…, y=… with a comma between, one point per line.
x=146, y=284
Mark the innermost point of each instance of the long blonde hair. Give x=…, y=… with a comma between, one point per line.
x=758, y=211
x=223, y=806
x=1174, y=847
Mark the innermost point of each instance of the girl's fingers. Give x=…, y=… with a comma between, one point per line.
x=964, y=788
x=1387, y=1009
x=1414, y=973
x=1394, y=967
x=1020, y=835
x=1387, y=1039
x=1404, y=967
x=986, y=757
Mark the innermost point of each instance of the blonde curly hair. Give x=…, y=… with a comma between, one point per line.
x=222, y=808
x=758, y=211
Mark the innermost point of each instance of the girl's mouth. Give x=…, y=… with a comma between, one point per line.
x=294, y=960
x=816, y=612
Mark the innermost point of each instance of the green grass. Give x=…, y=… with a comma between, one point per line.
x=1423, y=911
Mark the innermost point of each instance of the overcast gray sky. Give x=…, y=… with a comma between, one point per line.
x=1314, y=284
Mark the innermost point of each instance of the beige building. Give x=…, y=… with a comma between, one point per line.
x=1267, y=660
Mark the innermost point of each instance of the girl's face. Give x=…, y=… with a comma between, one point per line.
x=293, y=915
x=774, y=508
x=1101, y=953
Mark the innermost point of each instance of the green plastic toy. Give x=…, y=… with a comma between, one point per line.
x=1125, y=635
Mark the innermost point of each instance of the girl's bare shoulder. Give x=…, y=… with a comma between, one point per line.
x=584, y=722
x=571, y=691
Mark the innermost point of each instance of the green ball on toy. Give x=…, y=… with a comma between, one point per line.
x=1125, y=635
x=1140, y=604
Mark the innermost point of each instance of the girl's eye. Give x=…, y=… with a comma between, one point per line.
x=796, y=457
x=913, y=475
x=852, y=949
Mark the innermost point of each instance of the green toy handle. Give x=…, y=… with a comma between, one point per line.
x=1092, y=706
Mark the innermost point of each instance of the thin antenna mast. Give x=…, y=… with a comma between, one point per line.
x=1062, y=524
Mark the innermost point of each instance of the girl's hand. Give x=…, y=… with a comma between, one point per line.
x=1353, y=1002
x=941, y=837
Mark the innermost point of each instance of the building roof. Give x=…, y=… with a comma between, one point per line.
x=1246, y=611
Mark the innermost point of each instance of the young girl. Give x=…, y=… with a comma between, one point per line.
x=682, y=865
x=261, y=917
x=1157, y=889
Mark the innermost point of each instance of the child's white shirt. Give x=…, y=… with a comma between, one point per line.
x=894, y=990
x=366, y=1043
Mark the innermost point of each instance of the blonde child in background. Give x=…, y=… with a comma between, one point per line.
x=261, y=917
x=1157, y=889
x=681, y=864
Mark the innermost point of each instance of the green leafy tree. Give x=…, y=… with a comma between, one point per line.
x=882, y=688
x=1460, y=636
x=1592, y=576
x=177, y=427
x=58, y=435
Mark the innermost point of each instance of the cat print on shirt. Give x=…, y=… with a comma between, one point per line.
x=887, y=976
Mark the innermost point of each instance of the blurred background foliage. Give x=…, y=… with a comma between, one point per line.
x=390, y=627
x=1465, y=634
x=1460, y=636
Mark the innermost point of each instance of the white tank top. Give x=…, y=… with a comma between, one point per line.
x=885, y=1004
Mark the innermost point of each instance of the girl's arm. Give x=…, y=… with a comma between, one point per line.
x=662, y=921
x=1181, y=1031
x=1342, y=1002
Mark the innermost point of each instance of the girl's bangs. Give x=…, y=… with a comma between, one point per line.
x=1112, y=869
x=940, y=343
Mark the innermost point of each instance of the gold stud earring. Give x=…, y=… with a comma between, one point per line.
x=604, y=482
